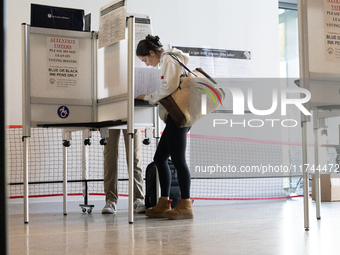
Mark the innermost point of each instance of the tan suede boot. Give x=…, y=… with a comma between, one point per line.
x=182, y=211
x=158, y=210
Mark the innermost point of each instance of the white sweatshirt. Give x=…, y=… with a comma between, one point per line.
x=170, y=78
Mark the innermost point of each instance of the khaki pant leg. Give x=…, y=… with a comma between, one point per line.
x=111, y=166
x=138, y=164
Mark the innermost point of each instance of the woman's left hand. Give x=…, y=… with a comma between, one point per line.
x=140, y=96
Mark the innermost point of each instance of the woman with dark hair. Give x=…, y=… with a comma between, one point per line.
x=174, y=139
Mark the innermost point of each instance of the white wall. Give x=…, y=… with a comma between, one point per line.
x=229, y=24
x=242, y=24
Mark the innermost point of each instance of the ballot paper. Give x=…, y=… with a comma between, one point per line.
x=147, y=80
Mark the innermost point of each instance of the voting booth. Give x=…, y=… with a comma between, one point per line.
x=319, y=45
x=61, y=70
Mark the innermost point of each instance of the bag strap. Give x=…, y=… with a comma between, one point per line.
x=205, y=74
x=181, y=64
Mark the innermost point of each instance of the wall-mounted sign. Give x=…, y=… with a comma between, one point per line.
x=112, y=23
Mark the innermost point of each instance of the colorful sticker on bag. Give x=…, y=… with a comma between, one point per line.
x=212, y=89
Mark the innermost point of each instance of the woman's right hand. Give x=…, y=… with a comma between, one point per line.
x=141, y=97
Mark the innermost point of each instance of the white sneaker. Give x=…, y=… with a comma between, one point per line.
x=139, y=206
x=109, y=208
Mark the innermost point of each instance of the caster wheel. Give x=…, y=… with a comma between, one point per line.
x=146, y=141
x=89, y=211
x=87, y=141
x=83, y=209
x=66, y=143
x=103, y=141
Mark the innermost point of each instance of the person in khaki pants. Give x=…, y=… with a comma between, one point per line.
x=111, y=171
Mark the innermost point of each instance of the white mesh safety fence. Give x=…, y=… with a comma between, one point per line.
x=46, y=165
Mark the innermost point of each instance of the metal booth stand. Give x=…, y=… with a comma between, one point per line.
x=45, y=105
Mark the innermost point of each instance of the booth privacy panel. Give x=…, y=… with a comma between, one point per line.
x=112, y=65
x=324, y=93
x=60, y=114
x=61, y=72
x=107, y=111
x=59, y=76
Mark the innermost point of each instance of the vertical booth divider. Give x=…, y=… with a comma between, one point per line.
x=130, y=124
x=303, y=49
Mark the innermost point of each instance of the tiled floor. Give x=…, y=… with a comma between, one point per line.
x=249, y=227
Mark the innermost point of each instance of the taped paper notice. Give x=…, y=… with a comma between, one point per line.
x=62, y=62
x=112, y=23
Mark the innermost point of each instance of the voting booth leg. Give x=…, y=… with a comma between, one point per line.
x=67, y=136
x=25, y=181
x=65, y=180
x=157, y=135
x=85, y=165
x=304, y=73
x=130, y=103
x=317, y=177
x=305, y=175
x=26, y=124
x=85, y=170
x=131, y=175
x=316, y=188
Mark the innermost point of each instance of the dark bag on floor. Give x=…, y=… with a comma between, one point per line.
x=150, y=197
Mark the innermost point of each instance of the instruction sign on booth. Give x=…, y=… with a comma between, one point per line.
x=62, y=61
x=332, y=30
